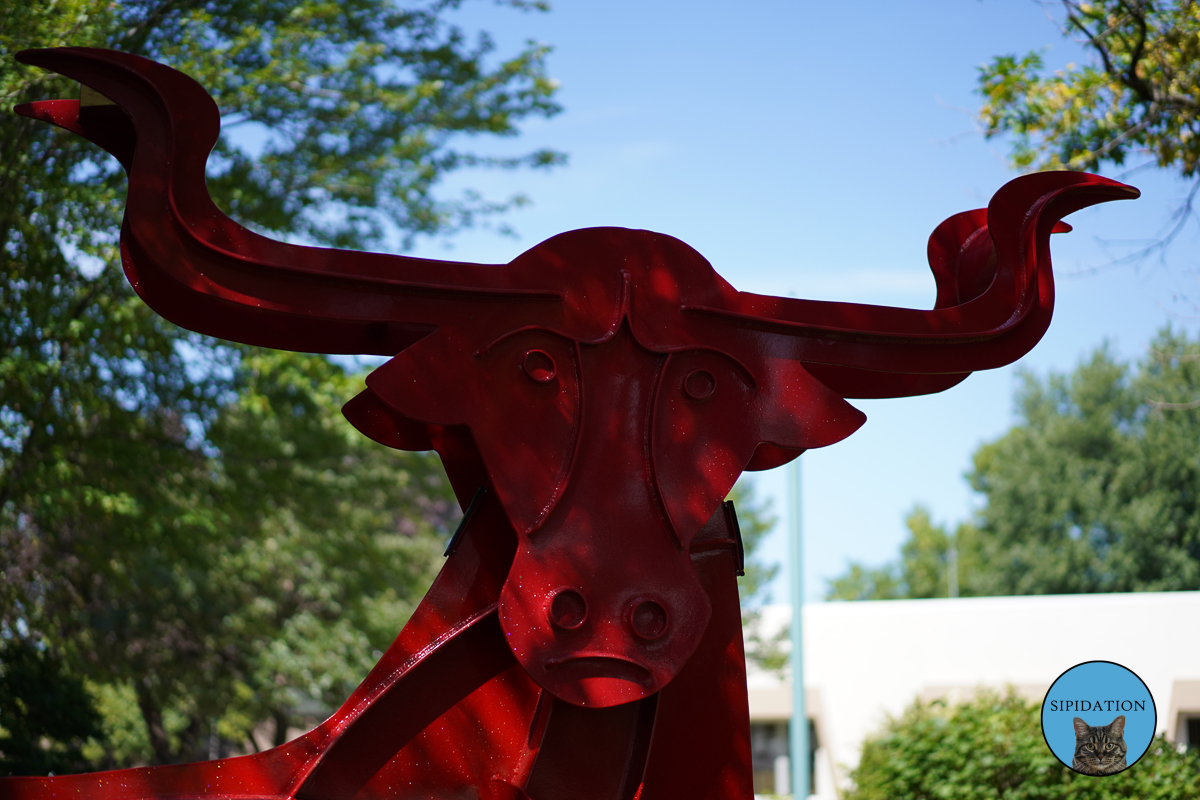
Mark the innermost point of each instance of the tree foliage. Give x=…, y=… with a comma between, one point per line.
x=755, y=521
x=195, y=541
x=192, y=535
x=992, y=747
x=1139, y=94
x=766, y=649
x=45, y=714
x=923, y=569
x=1097, y=489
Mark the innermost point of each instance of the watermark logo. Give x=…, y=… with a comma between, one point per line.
x=1098, y=718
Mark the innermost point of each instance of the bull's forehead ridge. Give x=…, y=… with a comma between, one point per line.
x=607, y=275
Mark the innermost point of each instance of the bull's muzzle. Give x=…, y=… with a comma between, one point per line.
x=598, y=626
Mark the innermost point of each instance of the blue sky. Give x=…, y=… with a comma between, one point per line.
x=809, y=149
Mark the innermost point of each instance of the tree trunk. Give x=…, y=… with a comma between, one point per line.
x=152, y=715
x=281, y=728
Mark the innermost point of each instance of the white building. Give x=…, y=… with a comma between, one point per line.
x=865, y=661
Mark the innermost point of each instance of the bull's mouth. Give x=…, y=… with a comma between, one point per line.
x=581, y=666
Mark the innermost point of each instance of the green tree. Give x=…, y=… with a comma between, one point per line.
x=755, y=521
x=1097, y=489
x=352, y=538
x=1138, y=97
x=40, y=701
x=188, y=526
x=932, y=563
x=1141, y=91
x=304, y=553
x=992, y=747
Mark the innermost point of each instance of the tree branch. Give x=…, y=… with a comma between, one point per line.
x=1160, y=405
x=1117, y=140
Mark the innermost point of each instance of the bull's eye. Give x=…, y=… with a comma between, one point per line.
x=699, y=384
x=648, y=620
x=568, y=610
x=538, y=365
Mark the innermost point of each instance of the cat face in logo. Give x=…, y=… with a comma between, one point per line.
x=1099, y=749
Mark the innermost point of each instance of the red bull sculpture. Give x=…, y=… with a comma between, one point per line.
x=593, y=402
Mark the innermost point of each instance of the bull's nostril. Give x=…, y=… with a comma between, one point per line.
x=649, y=620
x=568, y=610
x=538, y=365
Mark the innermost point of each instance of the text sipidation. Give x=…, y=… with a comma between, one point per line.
x=1097, y=705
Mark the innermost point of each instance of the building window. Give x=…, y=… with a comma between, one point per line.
x=769, y=742
x=1192, y=732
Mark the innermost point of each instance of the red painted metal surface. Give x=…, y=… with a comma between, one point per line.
x=596, y=397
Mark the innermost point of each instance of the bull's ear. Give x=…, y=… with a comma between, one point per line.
x=769, y=456
x=460, y=456
x=712, y=416
x=382, y=423
x=519, y=396
x=802, y=412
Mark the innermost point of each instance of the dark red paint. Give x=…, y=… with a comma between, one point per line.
x=604, y=390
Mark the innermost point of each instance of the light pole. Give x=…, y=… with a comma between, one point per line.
x=799, y=726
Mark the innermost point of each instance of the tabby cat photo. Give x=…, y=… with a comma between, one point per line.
x=1099, y=749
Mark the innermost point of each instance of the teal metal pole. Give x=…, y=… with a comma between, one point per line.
x=798, y=735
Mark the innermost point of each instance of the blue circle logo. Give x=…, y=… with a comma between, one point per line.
x=1098, y=718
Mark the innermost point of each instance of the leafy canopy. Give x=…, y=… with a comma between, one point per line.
x=194, y=539
x=199, y=550
x=1095, y=490
x=45, y=715
x=755, y=520
x=923, y=569
x=1139, y=94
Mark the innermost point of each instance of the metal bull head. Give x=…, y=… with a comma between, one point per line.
x=610, y=437
x=607, y=387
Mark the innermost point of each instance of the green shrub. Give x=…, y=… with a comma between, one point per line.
x=992, y=747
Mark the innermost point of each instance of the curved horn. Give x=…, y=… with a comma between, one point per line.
x=995, y=299
x=203, y=271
